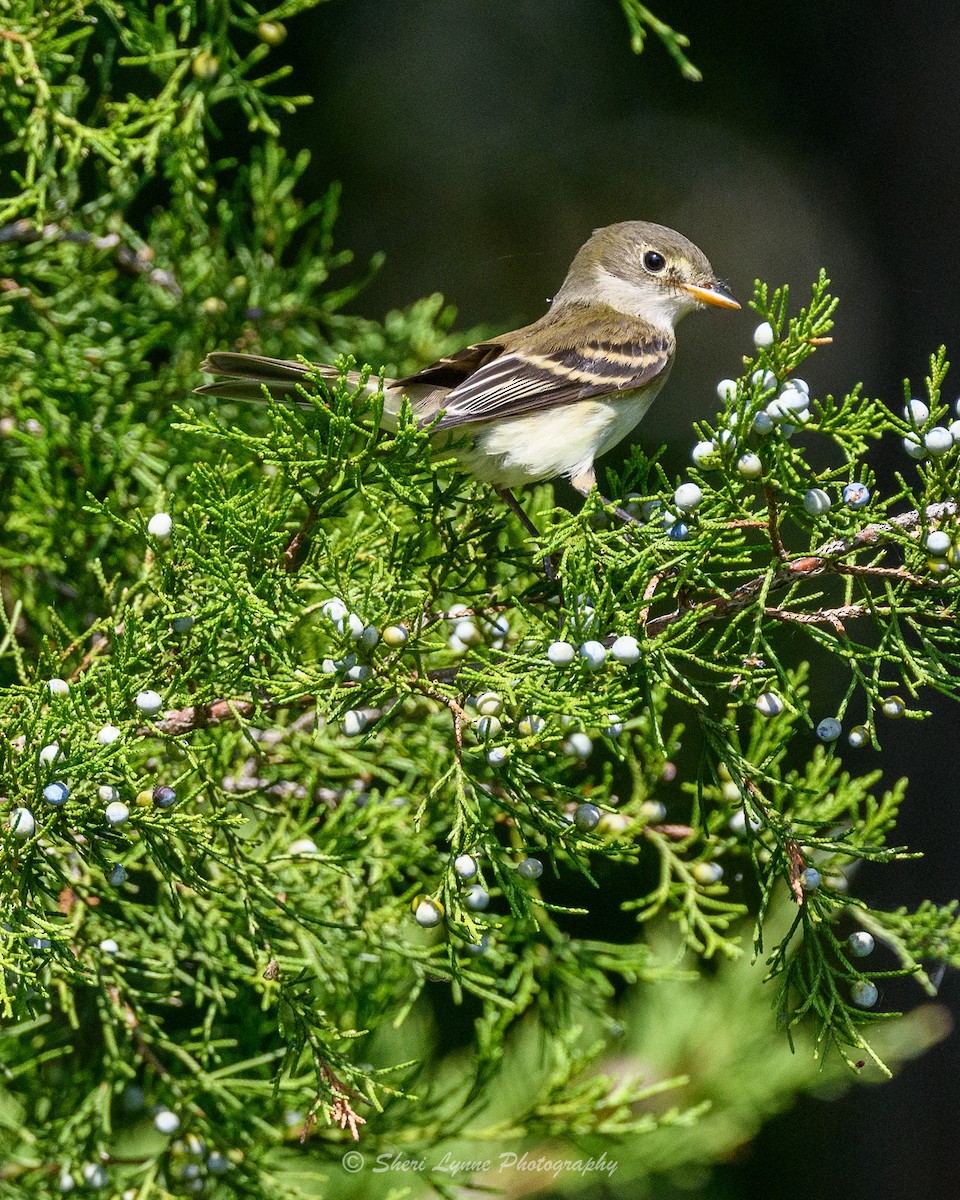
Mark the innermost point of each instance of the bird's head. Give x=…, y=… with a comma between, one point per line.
x=645, y=270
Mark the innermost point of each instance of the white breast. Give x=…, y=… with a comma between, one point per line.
x=563, y=440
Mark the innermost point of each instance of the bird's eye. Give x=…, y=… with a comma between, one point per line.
x=654, y=262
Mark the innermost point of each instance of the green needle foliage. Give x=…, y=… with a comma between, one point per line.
x=383, y=869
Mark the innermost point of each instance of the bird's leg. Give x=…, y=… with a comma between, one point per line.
x=514, y=505
x=586, y=481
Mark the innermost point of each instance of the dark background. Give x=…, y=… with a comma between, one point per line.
x=479, y=144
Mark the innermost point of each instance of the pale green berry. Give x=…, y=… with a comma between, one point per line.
x=395, y=636
x=708, y=872
x=487, y=727
x=58, y=687
x=489, y=704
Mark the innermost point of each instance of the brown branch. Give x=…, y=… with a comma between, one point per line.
x=292, y=556
x=201, y=716
x=824, y=616
x=821, y=562
x=773, y=522
x=794, y=869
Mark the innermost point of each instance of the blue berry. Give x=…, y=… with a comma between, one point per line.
x=56, y=794
x=164, y=797
x=22, y=823
x=856, y=495
x=465, y=866
x=579, y=745
x=829, y=729
x=149, y=702
x=594, y=655
x=861, y=943
x=116, y=813
x=530, y=868
x=763, y=335
x=427, y=911
x=816, y=502
x=810, y=879
x=476, y=897
x=916, y=412
x=687, y=497
x=864, y=993
x=705, y=455
x=586, y=817
x=680, y=531
x=626, y=649
x=937, y=441
x=561, y=654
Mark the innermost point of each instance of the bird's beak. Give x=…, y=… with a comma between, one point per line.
x=715, y=293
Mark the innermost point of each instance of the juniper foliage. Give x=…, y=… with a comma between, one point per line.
x=358, y=714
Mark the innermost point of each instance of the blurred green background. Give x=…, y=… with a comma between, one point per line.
x=479, y=143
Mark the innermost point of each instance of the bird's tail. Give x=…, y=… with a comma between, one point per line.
x=244, y=376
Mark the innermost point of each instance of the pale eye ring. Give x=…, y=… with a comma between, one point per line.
x=653, y=261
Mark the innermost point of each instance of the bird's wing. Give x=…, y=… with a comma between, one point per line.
x=500, y=380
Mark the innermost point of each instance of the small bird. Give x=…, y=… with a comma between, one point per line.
x=548, y=399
